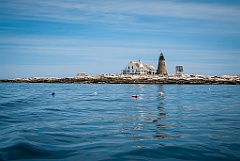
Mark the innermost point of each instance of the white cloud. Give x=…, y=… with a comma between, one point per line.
x=115, y=11
x=131, y=16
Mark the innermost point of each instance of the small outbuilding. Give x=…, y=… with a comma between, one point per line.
x=179, y=69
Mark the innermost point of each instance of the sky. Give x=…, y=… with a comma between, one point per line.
x=59, y=38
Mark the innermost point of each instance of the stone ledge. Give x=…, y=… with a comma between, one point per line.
x=134, y=79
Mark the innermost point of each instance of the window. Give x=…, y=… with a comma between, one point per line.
x=132, y=67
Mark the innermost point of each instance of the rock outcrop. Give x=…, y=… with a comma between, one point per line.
x=134, y=79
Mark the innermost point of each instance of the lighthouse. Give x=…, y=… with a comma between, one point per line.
x=161, y=70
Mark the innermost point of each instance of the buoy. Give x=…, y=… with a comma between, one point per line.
x=160, y=93
x=53, y=94
x=134, y=96
x=95, y=93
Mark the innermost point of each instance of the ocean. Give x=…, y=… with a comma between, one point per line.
x=93, y=122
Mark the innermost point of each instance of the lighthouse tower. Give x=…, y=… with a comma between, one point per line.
x=161, y=70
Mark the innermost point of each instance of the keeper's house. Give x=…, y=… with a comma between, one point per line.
x=137, y=67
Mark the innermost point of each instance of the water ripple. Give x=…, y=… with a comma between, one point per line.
x=26, y=150
x=188, y=122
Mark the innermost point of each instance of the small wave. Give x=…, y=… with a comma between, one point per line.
x=142, y=152
x=26, y=150
x=16, y=103
x=52, y=109
x=9, y=119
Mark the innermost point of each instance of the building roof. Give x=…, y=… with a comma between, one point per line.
x=139, y=65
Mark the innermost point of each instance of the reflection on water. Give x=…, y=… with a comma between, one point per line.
x=162, y=119
x=154, y=123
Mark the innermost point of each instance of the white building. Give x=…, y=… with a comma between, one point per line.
x=138, y=68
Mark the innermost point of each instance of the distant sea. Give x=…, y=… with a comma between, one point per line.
x=93, y=122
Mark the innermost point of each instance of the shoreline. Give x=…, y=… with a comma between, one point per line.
x=134, y=79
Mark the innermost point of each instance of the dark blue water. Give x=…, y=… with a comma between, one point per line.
x=188, y=122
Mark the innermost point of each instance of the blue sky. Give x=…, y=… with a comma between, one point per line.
x=58, y=38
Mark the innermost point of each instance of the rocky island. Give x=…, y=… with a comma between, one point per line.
x=134, y=79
